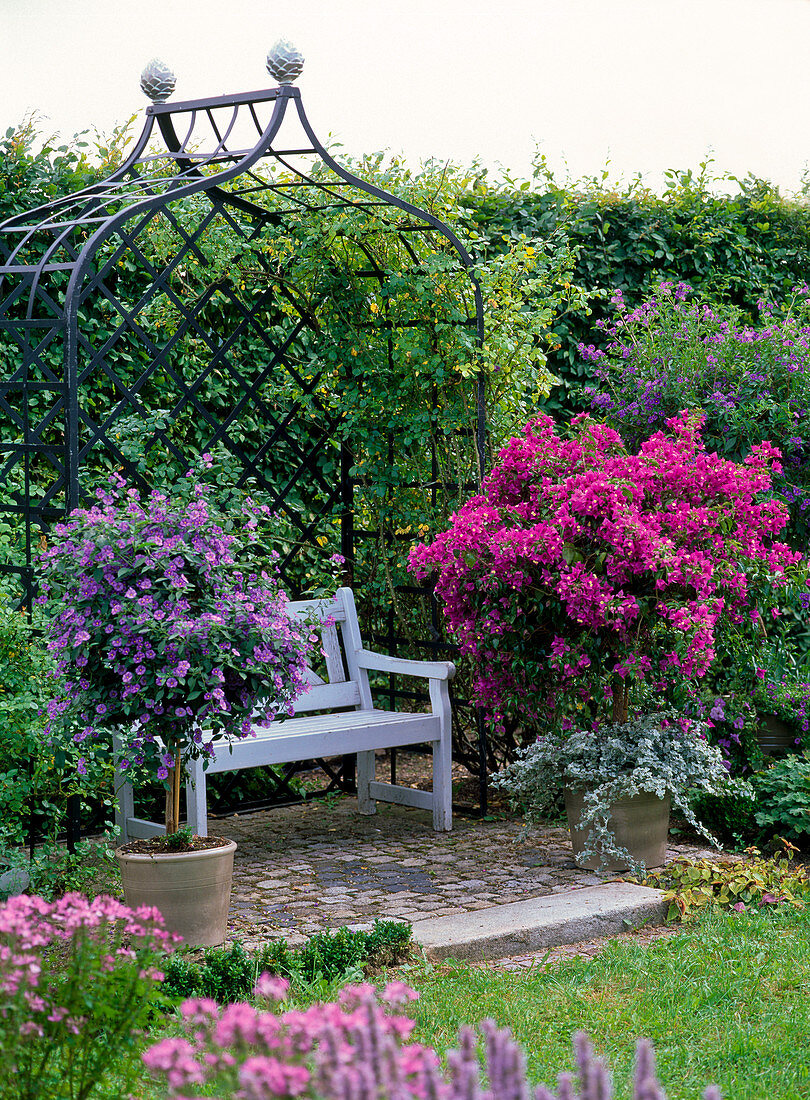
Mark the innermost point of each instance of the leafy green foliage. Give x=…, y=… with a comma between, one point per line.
x=735, y=241
x=329, y=954
x=729, y=816
x=228, y=974
x=55, y=870
x=783, y=793
x=36, y=774
x=692, y=885
x=29, y=178
x=179, y=841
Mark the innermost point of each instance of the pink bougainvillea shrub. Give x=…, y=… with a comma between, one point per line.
x=588, y=582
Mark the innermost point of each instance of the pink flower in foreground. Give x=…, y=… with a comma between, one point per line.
x=271, y=988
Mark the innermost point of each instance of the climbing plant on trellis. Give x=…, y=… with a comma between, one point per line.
x=232, y=290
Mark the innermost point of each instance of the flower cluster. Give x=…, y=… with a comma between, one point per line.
x=165, y=623
x=356, y=1049
x=788, y=700
x=675, y=352
x=76, y=977
x=349, y=1048
x=585, y=579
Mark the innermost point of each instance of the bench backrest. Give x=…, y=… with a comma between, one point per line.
x=345, y=685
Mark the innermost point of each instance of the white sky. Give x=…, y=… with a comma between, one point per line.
x=650, y=84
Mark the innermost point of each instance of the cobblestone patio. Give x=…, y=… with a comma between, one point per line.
x=302, y=869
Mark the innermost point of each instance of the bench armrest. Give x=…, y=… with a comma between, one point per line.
x=430, y=670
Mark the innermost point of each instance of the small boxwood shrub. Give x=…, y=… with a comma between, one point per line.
x=228, y=974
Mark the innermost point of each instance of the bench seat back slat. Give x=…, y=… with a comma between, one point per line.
x=328, y=697
x=325, y=616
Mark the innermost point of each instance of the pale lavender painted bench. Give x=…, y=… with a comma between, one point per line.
x=336, y=716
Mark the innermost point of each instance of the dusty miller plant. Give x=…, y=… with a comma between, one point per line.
x=657, y=753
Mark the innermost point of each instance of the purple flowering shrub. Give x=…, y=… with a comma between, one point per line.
x=76, y=979
x=588, y=582
x=356, y=1049
x=675, y=351
x=165, y=622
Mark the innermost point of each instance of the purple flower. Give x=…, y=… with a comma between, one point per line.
x=140, y=652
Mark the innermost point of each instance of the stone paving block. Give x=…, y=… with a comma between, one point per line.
x=501, y=931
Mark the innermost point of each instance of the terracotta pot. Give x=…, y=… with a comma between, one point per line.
x=775, y=737
x=640, y=824
x=191, y=889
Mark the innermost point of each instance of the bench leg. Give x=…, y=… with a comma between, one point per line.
x=196, y=808
x=366, y=771
x=442, y=786
x=442, y=758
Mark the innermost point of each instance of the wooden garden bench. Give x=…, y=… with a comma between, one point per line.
x=336, y=716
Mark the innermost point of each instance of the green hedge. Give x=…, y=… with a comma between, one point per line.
x=735, y=241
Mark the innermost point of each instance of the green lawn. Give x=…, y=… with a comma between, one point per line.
x=728, y=1003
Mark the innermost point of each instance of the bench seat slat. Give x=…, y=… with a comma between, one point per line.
x=316, y=736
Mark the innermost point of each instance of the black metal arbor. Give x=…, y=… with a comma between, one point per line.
x=160, y=314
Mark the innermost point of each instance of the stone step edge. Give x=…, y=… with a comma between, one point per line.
x=520, y=927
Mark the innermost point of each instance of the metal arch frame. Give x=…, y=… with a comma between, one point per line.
x=190, y=181
x=137, y=191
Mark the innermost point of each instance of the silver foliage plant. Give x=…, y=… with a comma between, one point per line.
x=656, y=753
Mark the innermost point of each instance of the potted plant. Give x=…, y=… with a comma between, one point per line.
x=165, y=623
x=783, y=713
x=588, y=582
x=619, y=782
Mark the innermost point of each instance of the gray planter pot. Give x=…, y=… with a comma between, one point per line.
x=640, y=824
x=191, y=889
x=775, y=737
x=13, y=881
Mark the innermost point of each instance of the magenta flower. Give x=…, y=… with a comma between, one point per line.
x=582, y=570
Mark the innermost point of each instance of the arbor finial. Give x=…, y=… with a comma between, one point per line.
x=157, y=81
x=284, y=61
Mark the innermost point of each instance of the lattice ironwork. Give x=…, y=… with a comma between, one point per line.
x=150, y=318
x=107, y=313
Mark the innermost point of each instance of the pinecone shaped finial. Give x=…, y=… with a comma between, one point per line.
x=157, y=81
x=284, y=61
